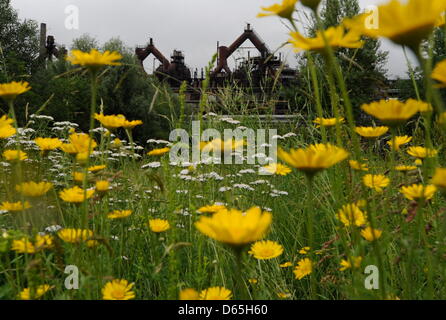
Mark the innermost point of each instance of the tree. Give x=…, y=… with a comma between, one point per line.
x=19, y=44
x=364, y=68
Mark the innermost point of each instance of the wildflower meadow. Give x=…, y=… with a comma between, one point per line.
x=346, y=202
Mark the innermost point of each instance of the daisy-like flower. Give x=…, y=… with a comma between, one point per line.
x=189, y=294
x=277, y=168
x=10, y=91
x=404, y=168
x=354, y=262
x=284, y=10
x=14, y=206
x=25, y=245
x=398, y=141
x=211, y=208
x=419, y=192
x=159, y=225
x=6, y=128
x=111, y=121
x=119, y=214
x=376, y=181
x=314, y=158
x=221, y=145
x=356, y=165
x=327, y=122
x=304, y=268
x=439, y=74
x=371, y=132
x=371, y=234
x=286, y=264
x=75, y=235
x=79, y=143
x=336, y=37
x=351, y=214
x=78, y=176
x=234, y=227
x=422, y=152
x=102, y=186
x=33, y=189
x=393, y=112
x=25, y=294
x=131, y=124
x=48, y=144
x=94, y=60
x=14, y=155
x=406, y=24
x=216, y=293
x=439, y=179
x=97, y=168
x=158, y=152
x=304, y=250
x=118, y=289
x=76, y=194
x=266, y=249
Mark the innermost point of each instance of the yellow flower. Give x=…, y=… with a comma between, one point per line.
x=336, y=37
x=112, y=121
x=47, y=144
x=424, y=107
x=97, y=168
x=234, y=227
x=421, y=152
x=285, y=264
x=158, y=152
x=405, y=24
x=159, y=225
x=78, y=176
x=376, y=182
x=284, y=10
x=10, y=91
x=371, y=234
x=265, y=250
x=393, y=112
x=6, y=129
x=189, y=294
x=75, y=235
x=304, y=250
x=118, y=289
x=439, y=179
x=102, y=186
x=327, y=122
x=116, y=143
x=118, y=214
x=25, y=245
x=79, y=143
x=221, y=146
x=350, y=214
x=277, y=168
x=216, y=293
x=253, y=281
x=283, y=295
x=439, y=74
x=304, y=267
x=75, y=194
x=398, y=141
x=371, y=132
x=14, y=155
x=94, y=59
x=405, y=168
x=352, y=261
x=33, y=189
x=14, y=206
x=314, y=158
x=356, y=165
x=25, y=294
x=211, y=208
x=419, y=192
x=131, y=124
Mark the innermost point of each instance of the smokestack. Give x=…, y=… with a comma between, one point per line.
x=42, y=38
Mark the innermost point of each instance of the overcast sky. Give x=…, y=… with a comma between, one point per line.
x=193, y=26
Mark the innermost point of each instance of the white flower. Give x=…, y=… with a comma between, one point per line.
x=154, y=164
x=246, y=171
x=224, y=189
x=243, y=186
